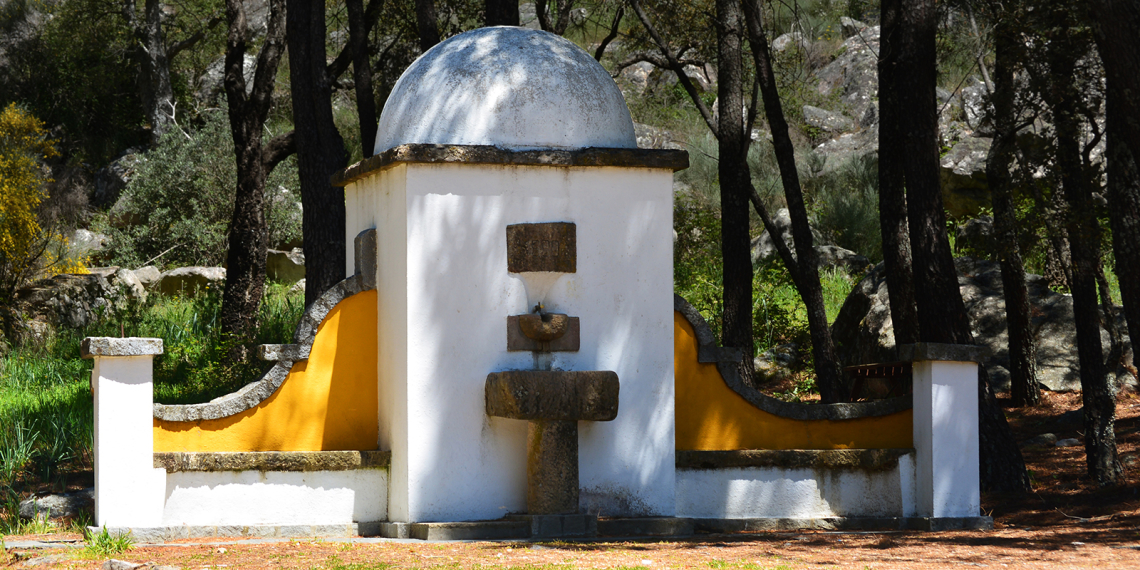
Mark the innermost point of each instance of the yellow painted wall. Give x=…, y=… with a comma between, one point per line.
x=711, y=416
x=327, y=403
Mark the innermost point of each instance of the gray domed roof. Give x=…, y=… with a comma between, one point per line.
x=509, y=87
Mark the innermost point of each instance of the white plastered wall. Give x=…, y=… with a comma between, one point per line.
x=128, y=489
x=275, y=498
x=772, y=492
x=946, y=439
x=445, y=295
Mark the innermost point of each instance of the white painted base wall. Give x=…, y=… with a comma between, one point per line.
x=275, y=498
x=771, y=492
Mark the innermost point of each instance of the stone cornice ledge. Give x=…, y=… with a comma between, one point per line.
x=728, y=363
x=850, y=459
x=254, y=393
x=93, y=346
x=272, y=461
x=484, y=154
x=921, y=351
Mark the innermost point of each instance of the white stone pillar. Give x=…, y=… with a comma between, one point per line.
x=945, y=429
x=129, y=491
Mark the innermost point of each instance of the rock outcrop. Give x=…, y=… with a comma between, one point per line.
x=864, y=333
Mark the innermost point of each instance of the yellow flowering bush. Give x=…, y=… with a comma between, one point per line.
x=23, y=243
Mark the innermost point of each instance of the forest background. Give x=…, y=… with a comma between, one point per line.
x=224, y=120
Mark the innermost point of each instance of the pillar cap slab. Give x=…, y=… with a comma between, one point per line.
x=93, y=346
x=921, y=351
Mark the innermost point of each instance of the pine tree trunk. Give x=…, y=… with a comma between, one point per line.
x=892, y=192
x=155, y=88
x=805, y=270
x=426, y=24
x=941, y=314
x=320, y=149
x=501, y=12
x=248, y=233
x=734, y=185
x=1097, y=391
x=1124, y=213
x=1116, y=25
x=1024, y=390
x=362, y=76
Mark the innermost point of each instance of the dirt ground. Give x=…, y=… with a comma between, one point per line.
x=1066, y=523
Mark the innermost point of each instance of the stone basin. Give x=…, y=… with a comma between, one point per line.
x=553, y=395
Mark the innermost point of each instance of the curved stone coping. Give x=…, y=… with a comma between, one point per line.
x=943, y=352
x=728, y=362
x=485, y=154
x=848, y=459
x=93, y=346
x=174, y=462
x=256, y=392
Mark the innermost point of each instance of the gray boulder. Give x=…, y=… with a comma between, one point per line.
x=637, y=75
x=59, y=506
x=853, y=76
x=849, y=146
x=851, y=26
x=191, y=281
x=83, y=243
x=976, y=235
x=653, y=137
x=149, y=276
x=827, y=121
x=764, y=248
x=69, y=299
x=963, y=174
x=285, y=266
x=863, y=331
x=111, y=179
x=129, y=284
x=790, y=39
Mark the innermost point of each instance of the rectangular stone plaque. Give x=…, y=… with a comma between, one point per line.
x=542, y=247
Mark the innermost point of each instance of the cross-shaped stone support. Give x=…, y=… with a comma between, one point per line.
x=553, y=401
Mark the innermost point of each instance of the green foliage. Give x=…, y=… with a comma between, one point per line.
x=845, y=206
x=77, y=74
x=104, y=543
x=180, y=201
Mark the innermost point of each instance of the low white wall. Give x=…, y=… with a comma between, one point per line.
x=275, y=498
x=801, y=493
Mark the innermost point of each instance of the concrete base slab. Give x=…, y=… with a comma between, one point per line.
x=478, y=530
x=649, y=526
x=151, y=535
x=559, y=526
x=844, y=523
x=396, y=530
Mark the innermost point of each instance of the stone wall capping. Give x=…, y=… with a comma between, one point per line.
x=923, y=351
x=256, y=392
x=275, y=352
x=485, y=154
x=93, y=346
x=728, y=361
x=263, y=461
x=841, y=459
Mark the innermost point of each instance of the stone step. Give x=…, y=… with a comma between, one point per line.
x=647, y=526
x=478, y=530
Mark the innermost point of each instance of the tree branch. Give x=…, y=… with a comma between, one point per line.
x=343, y=59
x=676, y=67
x=598, y=53
x=278, y=149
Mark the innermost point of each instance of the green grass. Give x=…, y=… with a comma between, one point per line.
x=104, y=544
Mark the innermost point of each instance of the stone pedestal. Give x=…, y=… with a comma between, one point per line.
x=129, y=491
x=945, y=429
x=552, y=467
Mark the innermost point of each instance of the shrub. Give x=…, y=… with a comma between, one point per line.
x=177, y=207
x=23, y=242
